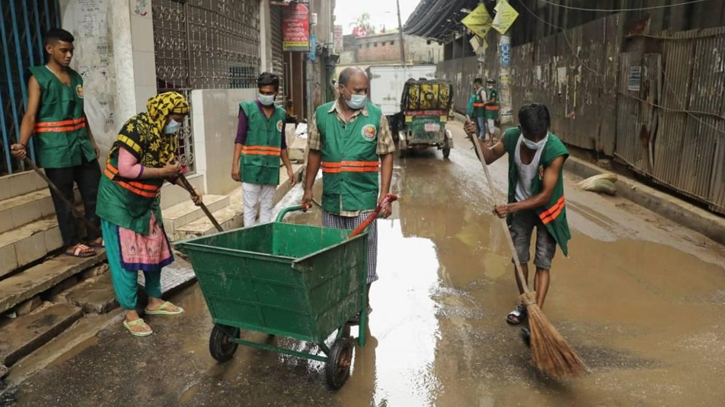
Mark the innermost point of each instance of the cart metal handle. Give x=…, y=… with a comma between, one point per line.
x=289, y=209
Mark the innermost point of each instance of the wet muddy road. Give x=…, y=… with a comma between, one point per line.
x=641, y=299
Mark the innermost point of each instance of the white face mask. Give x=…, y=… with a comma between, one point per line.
x=266, y=100
x=356, y=102
x=172, y=127
x=535, y=146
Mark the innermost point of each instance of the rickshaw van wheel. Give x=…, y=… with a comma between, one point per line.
x=337, y=367
x=220, y=345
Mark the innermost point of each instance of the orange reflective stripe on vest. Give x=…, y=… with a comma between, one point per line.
x=62, y=126
x=350, y=166
x=552, y=213
x=261, y=150
x=479, y=105
x=137, y=188
x=489, y=107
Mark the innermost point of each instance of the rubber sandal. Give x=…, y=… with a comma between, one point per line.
x=526, y=336
x=162, y=310
x=81, y=251
x=519, y=313
x=136, y=323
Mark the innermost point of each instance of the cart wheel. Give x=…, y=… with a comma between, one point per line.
x=337, y=368
x=446, y=152
x=221, y=346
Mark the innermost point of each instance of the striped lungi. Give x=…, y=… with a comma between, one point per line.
x=331, y=220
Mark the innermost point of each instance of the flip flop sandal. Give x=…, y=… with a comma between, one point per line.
x=163, y=311
x=519, y=313
x=526, y=336
x=138, y=323
x=81, y=251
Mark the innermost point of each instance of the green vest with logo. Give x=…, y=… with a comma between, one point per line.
x=553, y=214
x=61, y=139
x=479, y=105
x=127, y=203
x=492, y=108
x=259, y=161
x=349, y=160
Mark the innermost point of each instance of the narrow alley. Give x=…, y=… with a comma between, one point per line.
x=640, y=299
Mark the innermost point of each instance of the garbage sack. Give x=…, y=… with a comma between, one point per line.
x=603, y=183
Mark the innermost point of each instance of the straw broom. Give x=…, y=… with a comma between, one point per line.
x=550, y=352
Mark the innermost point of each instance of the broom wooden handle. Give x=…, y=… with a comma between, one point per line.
x=389, y=198
x=504, y=225
x=207, y=212
x=60, y=195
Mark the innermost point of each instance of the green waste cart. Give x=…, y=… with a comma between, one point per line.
x=297, y=281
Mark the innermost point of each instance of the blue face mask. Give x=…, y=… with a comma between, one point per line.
x=356, y=102
x=266, y=100
x=172, y=127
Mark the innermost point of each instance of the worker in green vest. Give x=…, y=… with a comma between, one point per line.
x=535, y=195
x=259, y=145
x=351, y=140
x=141, y=159
x=64, y=144
x=492, y=108
x=479, y=107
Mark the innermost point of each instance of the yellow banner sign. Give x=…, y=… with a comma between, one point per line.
x=479, y=21
x=505, y=16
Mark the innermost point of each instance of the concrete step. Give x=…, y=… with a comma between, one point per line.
x=94, y=295
x=28, y=243
x=231, y=217
x=186, y=212
x=23, y=209
x=23, y=335
x=35, y=280
x=21, y=183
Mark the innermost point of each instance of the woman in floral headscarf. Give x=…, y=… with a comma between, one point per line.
x=139, y=162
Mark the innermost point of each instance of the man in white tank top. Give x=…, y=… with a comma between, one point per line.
x=528, y=208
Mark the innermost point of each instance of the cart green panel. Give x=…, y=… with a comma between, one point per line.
x=290, y=280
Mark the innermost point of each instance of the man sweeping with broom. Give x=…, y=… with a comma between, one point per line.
x=535, y=196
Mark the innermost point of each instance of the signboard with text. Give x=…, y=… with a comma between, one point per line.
x=338, y=38
x=296, y=28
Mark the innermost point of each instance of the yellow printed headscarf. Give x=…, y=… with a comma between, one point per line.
x=159, y=107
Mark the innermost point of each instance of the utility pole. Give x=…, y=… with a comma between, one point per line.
x=400, y=31
x=504, y=85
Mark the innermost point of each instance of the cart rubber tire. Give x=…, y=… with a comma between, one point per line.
x=446, y=152
x=220, y=347
x=337, y=367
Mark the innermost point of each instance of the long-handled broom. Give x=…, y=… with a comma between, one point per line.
x=550, y=352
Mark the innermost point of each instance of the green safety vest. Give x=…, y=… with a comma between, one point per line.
x=61, y=138
x=127, y=203
x=259, y=161
x=350, y=163
x=479, y=105
x=553, y=214
x=492, y=108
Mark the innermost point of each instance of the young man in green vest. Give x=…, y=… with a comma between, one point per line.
x=492, y=108
x=258, y=147
x=479, y=108
x=351, y=141
x=64, y=144
x=535, y=195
